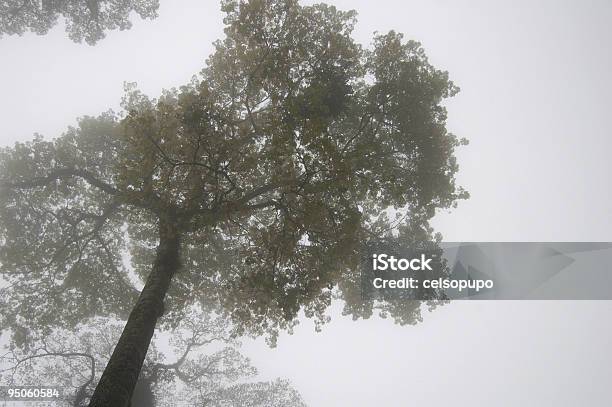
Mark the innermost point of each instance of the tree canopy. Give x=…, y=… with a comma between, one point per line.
x=87, y=20
x=256, y=186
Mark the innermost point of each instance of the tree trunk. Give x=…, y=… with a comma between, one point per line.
x=117, y=383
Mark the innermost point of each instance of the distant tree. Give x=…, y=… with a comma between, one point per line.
x=87, y=20
x=207, y=370
x=256, y=186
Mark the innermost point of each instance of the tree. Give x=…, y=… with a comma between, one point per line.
x=207, y=368
x=256, y=186
x=64, y=358
x=87, y=20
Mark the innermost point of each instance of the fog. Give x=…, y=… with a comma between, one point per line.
x=534, y=103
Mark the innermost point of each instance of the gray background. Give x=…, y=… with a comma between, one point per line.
x=535, y=101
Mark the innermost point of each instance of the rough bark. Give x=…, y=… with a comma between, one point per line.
x=119, y=379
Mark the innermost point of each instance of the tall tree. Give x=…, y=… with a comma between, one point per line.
x=255, y=186
x=87, y=20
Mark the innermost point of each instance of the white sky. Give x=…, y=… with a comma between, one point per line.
x=535, y=79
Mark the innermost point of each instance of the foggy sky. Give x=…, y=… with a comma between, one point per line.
x=535, y=104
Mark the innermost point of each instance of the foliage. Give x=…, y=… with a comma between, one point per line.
x=87, y=20
x=207, y=367
x=277, y=165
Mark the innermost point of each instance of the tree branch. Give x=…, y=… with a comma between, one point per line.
x=60, y=174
